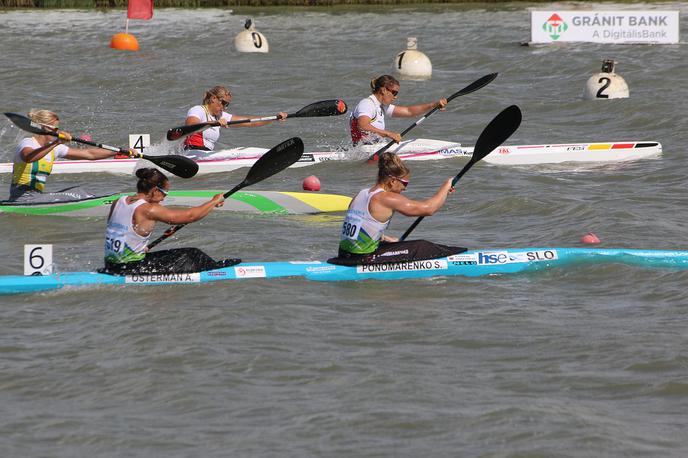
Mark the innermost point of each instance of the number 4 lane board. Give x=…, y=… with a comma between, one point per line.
x=286, y=203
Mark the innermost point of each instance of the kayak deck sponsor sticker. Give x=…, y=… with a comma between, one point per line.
x=250, y=272
x=504, y=257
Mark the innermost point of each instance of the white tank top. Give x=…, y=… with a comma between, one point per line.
x=122, y=243
x=361, y=233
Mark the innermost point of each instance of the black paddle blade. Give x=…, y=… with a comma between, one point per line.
x=28, y=125
x=474, y=86
x=176, y=133
x=181, y=166
x=277, y=159
x=497, y=131
x=324, y=108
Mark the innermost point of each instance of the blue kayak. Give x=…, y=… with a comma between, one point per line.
x=468, y=264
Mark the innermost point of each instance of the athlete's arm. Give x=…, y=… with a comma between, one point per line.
x=29, y=154
x=399, y=203
x=401, y=111
x=180, y=216
x=365, y=125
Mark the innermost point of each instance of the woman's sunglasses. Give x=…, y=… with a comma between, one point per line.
x=401, y=180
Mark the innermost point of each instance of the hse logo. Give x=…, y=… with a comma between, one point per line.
x=503, y=257
x=555, y=26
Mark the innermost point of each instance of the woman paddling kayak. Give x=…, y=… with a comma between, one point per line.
x=215, y=101
x=34, y=158
x=362, y=240
x=367, y=121
x=131, y=222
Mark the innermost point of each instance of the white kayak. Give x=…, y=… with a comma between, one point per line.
x=410, y=150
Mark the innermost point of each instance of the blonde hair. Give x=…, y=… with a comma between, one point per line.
x=215, y=92
x=390, y=165
x=382, y=81
x=43, y=117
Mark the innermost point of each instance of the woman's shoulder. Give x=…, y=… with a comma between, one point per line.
x=27, y=142
x=197, y=111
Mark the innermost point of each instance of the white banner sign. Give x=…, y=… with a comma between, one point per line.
x=605, y=26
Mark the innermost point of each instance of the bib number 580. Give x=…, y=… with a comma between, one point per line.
x=349, y=230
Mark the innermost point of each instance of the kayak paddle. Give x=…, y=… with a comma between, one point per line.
x=277, y=159
x=181, y=166
x=496, y=133
x=474, y=86
x=324, y=108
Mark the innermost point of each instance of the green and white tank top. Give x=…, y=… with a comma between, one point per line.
x=361, y=233
x=122, y=243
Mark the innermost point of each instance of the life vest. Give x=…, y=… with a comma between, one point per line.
x=33, y=174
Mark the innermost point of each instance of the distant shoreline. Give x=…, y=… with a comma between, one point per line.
x=122, y=4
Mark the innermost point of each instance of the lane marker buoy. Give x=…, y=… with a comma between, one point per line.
x=250, y=40
x=606, y=85
x=412, y=63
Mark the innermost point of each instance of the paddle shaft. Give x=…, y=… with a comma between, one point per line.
x=60, y=136
x=247, y=121
x=317, y=109
x=474, y=86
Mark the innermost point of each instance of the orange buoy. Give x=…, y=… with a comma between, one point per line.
x=124, y=42
x=590, y=238
x=311, y=183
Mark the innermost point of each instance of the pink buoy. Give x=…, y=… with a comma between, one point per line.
x=590, y=238
x=86, y=137
x=311, y=183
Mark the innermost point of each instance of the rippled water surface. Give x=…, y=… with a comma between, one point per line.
x=586, y=362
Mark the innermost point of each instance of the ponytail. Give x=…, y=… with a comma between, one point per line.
x=382, y=81
x=390, y=165
x=149, y=178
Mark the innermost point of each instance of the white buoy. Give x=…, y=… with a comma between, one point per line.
x=606, y=85
x=412, y=63
x=250, y=40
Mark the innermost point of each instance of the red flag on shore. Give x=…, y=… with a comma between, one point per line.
x=140, y=9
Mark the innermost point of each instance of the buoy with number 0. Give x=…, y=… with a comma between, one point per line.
x=250, y=40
